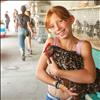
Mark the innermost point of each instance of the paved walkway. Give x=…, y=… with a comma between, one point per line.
x=18, y=81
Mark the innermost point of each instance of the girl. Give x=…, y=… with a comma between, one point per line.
x=59, y=22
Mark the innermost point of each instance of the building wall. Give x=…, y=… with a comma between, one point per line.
x=73, y=4
x=67, y=4
x=82, y=10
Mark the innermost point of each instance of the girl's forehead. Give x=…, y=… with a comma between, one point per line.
x=54, y=18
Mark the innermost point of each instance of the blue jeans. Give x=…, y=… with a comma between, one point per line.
x=51, y=97
x=21, y=37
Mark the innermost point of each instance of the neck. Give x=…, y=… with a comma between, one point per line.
x=67, y=40
x=68, y=43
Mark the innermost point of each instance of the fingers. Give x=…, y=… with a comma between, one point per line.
x=65, y=89
x=71, y=93
x=51, y=59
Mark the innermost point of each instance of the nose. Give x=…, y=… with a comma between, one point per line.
x=56, y=27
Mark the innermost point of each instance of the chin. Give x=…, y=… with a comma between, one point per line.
x=63, y=37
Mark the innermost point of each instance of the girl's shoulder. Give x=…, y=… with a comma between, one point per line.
x=53, y=40
x=82, y=45
x=48, y=41
x=86, y=44
x=85, y=47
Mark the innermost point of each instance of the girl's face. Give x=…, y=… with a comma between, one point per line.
x=60, y=27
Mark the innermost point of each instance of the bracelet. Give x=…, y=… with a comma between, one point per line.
x=57, y=84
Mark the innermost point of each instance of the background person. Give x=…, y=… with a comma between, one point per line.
x=23, y=30
x=7, y=21
x=29, y=36
x=15, y=15
x=59, y=22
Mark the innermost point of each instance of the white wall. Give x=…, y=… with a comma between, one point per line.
x=73, y=4
x=89, y=15
x=67, y=4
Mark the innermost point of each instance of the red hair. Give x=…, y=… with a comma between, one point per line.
x=60, y=11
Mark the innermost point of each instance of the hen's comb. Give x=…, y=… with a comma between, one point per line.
x=46, y=51
x=49, y=44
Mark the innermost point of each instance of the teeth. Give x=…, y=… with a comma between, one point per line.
x=60, y=32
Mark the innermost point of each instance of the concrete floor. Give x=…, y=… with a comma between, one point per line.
x=18, y=81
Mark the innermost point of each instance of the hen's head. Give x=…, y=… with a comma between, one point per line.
x=48, y=50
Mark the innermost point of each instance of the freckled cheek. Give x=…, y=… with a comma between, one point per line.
x=64, y=25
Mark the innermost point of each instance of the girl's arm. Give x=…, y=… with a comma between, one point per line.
x=86, y=75
x=42, y=75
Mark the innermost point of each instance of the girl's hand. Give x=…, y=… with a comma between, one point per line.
x=67, y=92
x=53, y=68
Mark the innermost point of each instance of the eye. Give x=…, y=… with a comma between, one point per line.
x=60, y=20
x=51, y=27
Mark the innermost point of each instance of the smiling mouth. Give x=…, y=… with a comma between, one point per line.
x=61, y=33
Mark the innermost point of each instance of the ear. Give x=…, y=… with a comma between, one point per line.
x=72, y=19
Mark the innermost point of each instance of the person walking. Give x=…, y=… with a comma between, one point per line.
x=7, y=21
x=23, y=30
x=29, y=36
x=59, y=21
x=15, y=15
